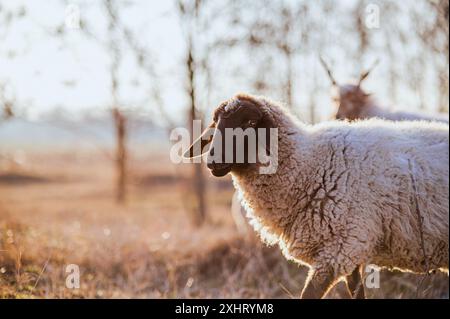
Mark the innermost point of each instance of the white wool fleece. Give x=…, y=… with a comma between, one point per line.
x=343, y=193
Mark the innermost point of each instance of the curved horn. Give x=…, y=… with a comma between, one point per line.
x=365, y=74
x=330, y=74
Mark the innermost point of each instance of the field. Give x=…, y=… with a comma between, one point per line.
x=59, y=209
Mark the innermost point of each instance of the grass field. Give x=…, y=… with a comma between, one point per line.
x=59, y=209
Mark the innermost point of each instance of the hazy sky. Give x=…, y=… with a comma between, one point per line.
x=72, y=71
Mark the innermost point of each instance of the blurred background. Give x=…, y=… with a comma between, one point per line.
x=90, y=90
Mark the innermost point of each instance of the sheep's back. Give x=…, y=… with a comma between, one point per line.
x=403, y=164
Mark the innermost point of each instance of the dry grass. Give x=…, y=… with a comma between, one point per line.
x=60, y=210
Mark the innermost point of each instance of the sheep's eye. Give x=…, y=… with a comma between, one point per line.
x=251, y=123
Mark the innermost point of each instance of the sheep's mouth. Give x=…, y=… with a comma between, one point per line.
x=222, y=170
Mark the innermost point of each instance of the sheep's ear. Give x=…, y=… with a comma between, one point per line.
x=366, y=73
x=328, y=70
x=196, y=148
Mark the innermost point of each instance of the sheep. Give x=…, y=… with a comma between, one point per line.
x=354, y=103
x=342, y=194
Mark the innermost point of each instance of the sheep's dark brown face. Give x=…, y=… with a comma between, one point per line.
x=244, y=115
x=234, y=144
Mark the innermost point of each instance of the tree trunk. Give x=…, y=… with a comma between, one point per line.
x=121, y=155
x=198, y=181
x=289, y=79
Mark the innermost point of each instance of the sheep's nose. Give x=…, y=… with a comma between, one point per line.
x=211, y=160
x=211, y=165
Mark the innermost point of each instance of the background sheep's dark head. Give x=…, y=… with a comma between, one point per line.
x=350, y=100
x=241, y=114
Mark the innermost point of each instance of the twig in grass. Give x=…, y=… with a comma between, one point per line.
x=360, y=284
x=286, y=291
x=42, y=271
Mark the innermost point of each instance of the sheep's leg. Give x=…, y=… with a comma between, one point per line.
x=318, y=283
x=355, y=285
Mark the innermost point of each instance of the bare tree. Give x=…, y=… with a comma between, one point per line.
x=121, y=40
x=435, y=35
x=6, y=104
x=275, y=31
x=119, y=118
x=189, y=12
x=279, y=39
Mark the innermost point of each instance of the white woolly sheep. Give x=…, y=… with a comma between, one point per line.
x=344, y=193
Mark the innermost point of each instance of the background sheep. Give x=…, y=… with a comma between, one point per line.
x=343, y=193
x=354, y=103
